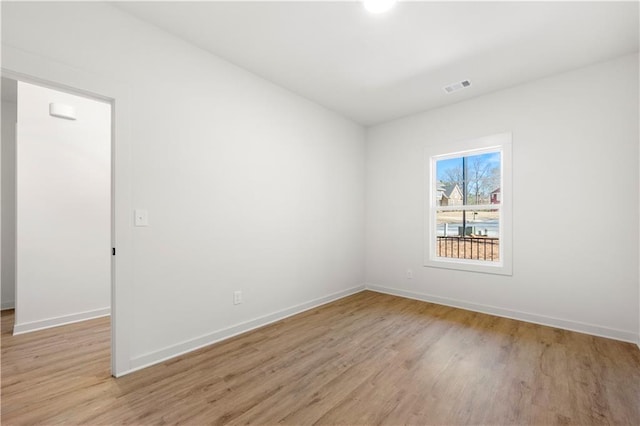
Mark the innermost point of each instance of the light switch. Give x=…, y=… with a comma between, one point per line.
x=141, y=217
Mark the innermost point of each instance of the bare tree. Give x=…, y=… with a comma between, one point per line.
x=493, y=181
x=478, y=174
x=453, y=176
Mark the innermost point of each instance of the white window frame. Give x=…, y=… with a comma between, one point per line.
x=494, y=143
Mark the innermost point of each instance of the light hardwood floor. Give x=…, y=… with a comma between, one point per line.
x=366, y=359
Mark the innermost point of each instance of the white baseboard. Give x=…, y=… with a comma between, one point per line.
x=173, y=351
x=7, y=304
x=62, y=320
x=595, y=330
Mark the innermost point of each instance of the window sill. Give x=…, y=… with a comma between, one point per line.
x=496, y=268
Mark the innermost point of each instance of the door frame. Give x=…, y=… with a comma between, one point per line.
x=35, y=69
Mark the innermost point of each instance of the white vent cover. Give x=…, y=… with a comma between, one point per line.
x=454, y=87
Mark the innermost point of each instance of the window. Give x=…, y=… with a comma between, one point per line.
x=469, y=205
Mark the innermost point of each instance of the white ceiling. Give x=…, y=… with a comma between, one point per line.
x=374, y=68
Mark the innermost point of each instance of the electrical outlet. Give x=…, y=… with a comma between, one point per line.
x=237, y=297
x=409, y=274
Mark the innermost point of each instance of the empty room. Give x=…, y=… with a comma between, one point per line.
x=318, y=212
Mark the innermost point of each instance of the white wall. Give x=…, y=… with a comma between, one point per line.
x=63, y=175
x=248, y=186
x=575, y=180
x=8, y=273
x=251, y=187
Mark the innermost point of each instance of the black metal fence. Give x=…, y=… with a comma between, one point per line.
x=470, y=247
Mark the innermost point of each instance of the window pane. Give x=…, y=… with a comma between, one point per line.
x=477, y=175
x=480, y=241
x=483, y=178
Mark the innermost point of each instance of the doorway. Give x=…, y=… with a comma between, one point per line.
x=57, y=205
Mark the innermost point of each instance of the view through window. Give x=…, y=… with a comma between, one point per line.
x=467, y=206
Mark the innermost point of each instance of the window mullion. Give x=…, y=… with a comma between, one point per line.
x=467, y=207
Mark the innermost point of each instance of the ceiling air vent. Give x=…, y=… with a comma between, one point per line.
x=454, y=87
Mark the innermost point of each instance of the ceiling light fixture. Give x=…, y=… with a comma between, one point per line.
x=378, y=6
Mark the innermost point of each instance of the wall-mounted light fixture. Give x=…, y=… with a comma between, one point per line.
x=62, y=111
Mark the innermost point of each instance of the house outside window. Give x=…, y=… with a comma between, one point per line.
x=495, y=196
x=468, y=220
x=451, y=194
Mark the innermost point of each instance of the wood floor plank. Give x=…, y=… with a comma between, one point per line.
x=366, y=359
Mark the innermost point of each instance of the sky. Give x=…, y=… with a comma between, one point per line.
x=443, y=165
